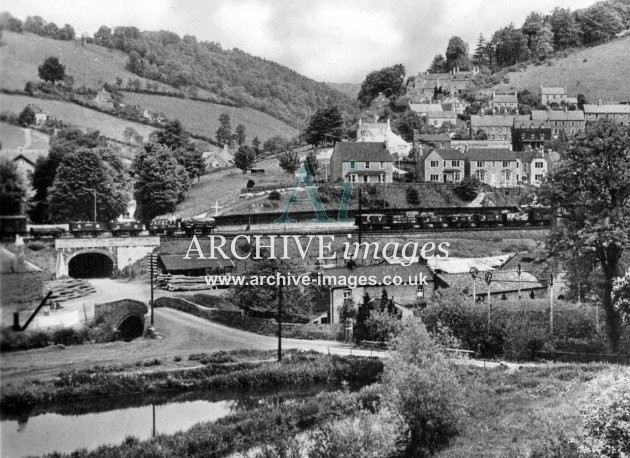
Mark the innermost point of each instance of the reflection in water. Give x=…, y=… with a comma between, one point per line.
x=89, y=424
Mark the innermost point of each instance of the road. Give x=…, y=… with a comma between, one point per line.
x=181, y=334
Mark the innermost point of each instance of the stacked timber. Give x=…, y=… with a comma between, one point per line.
x=182, y=283
x=63, y=290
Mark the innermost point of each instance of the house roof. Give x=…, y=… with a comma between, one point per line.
x=448, y=107
x=379, y=271
x=463, y=265
x=434, y=138
x=175, y=262
x=450, y=154
x=528, y=156
x=491, y=154
x=425, y=107
x=557, y=115
x=441, y=114
x=609, y=108
x=491, y=121
x=29, y=156
x=367, y=172
x=504, y=98
x=362, y=151
x=502, y=282
x=552, y=91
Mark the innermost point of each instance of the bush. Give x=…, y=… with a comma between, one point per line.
x=36, y=246
x=467, y=189
x=608, y=426
x=274, y=195
x=420, y=384
x=250, y=183
x=412, y=195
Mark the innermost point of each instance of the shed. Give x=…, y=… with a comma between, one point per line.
x=177, y=265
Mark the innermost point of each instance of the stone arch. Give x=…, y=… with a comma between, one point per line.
x=131, y=326
x=91, y=263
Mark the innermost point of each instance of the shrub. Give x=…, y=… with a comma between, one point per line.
x=69, y=336
x=412, y=196
x=36, y=246
x=250, y=183
x=608, y=426
x=420, y=384
x=467, y=189
x=274, y=195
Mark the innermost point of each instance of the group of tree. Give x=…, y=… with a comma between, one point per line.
x=36, y=25
x=376, y=320
x=185, y=152
x=224, y=134
x=325, y=127
x=14, y=189
x=388, y=80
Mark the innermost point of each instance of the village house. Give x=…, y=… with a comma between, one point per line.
x=379, y=102
x=432, y=140
x=217, y=157
x=104, y=100
x=422, y=109
x=499, y=168
x=361, y=162
x=504, y=285
x=496, y=127
x=22, y=146
x=619, y=113
x=382, y=133
x=461, y=80
x=567, y=122
x=454, y=104
x=409, y=293
x=425, y=85
x=550, y=96
x=443, y=166
x=529, y=133
x=535, y=165
x=438, y=118
x=504, y=102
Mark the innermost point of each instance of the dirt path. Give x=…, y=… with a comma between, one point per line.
x=183, y=334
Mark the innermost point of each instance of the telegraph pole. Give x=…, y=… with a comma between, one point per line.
x=518, y=271
x=473, y=273
x=151, y=260
x=488, y=279
x=551, y=303
x=280, y=320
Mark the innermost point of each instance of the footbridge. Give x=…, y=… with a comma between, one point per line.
x=126, y=316
x=93, y=257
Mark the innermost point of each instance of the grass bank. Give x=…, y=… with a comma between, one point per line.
x=295, y=369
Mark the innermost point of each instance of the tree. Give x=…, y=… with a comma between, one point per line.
x=161, y=182
x=621, y=295
x=14, y=189
x=244, y=158
x=599, y=23
x=438, y=64
x=566, y=32
x=256, y=143
x=51, y=70
x=8, y=22
x=480, y=57
x=510, y=46
x=539, y=35
x=324, y=126
x=241, y=136
x=457, y=54
x=129, y=133
x=276, y=144
x=388, y=80
x=384, y=302
x=406, y=124
x=311, y=163
x=66, y=33
x=581, y=101
x=177, y=139
x=71, y=197
x=35, y=24
x=363, y=314
x=289, y=161
x=224, y=132
x=27, y=116
x=590, y=190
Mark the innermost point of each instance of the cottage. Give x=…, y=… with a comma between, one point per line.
x=379, y=102
x=619, y=113
x=104, y=99
x=425, y=85
x=423, y=108
x=496, y=167
x=550, y=96
x=504, y=102
x=177, y=265
x=22, y=146
x=438, y=118
x=529, y=133
x=382, y=133
x=535, y=166
x=504, y=285
x=361, y=162
x=454, y=104
x=416, y=286
x=444, y=166
x=495, y=127
x=465, y=145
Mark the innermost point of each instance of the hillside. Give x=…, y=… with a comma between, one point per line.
x=600, y=72
x=202, y=118
x=350, y=89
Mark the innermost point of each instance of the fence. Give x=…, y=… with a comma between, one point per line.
x=566, y=357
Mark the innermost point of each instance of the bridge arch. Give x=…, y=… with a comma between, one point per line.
x=125, y=315
x=91, y=263
x=131, y=326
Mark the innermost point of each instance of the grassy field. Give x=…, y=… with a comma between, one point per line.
x=598, y=72
x=89, y=65
x=70, y=113
x=202, y=118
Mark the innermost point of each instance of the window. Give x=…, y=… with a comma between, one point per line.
x=435, y=163
x=494, y=164
x=479, y=163
x=456, y=176
x=353, y=164
x=538, y=165
x=444, y=163
x=506, y=164
x=347, y=294
x=420, y=291
x=382, y=163
x=533, y=136
x=538, y=177
x=555, y=123
x=522, y=136
x=367, y=165
x=454, y=163
x=481, y=175
x=435, y=178
x=555, y=131
x=573, y=123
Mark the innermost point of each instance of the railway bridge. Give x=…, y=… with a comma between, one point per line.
x=93, y=257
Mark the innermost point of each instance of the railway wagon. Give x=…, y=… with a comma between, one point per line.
x=87, y=228
x=195, y=226
x=164, y=226
x=126, y=228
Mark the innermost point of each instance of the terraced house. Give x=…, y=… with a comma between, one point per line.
x=497, y=167
x=444, y=166
x=361, y=162
x=617, y=112
x=504, y=102
x=495, y=127
x=567, y=122
x=529, y=134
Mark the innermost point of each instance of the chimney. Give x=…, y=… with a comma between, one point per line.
x=599, y=102
x=360, y=122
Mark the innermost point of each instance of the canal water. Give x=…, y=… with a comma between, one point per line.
x=108, y=421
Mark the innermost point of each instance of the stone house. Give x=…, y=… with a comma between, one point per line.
x=619, y=113
x=504, y=102
x=361, y=162
x=504, y=285
x=433, y=140
x=438, y=118
x=496, y=167
x=378, y=278
x=104, y=100
x=568, y=122
x=379, y=102
x=382, y=133
x=534, y=166
x=496, y=127
x=423, y=108
x=528, y=133
x=552, y=95
x=444, y=166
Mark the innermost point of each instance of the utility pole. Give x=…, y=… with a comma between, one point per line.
x=151, y=260
x=280, y=320
x=551, y=303
x=473, y=273
x=360, y=217
x=518, y=271
x=488, y=279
